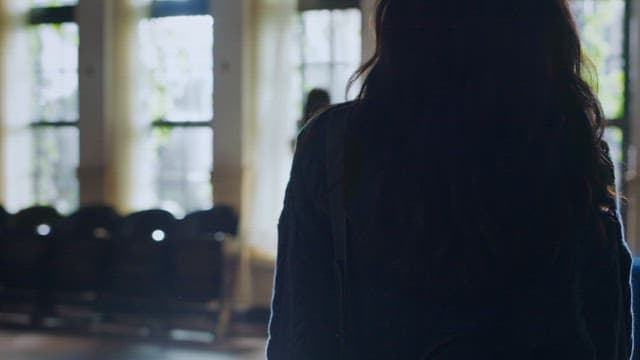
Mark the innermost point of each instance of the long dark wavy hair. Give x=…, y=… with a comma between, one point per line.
x=479, y=121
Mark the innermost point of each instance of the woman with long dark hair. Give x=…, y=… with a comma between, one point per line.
x=463, y=206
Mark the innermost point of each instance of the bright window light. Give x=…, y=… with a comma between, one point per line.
x=177, y=88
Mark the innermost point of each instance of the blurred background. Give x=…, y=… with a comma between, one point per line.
x=144, y=151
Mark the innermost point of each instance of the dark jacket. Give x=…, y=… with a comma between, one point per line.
x=579, y=312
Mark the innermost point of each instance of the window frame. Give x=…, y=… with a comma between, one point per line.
x=305, y=5
x=179, y=8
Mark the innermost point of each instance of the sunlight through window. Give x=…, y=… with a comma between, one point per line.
x=601, y=24
x=177, y=71
x=53, y=44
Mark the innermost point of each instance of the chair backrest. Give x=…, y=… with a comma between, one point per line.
x=26, y=250
x=197, y=254
x=4, y=225
x=81, y=250
x=4, y=219
x=140, y=262
x=222, y=218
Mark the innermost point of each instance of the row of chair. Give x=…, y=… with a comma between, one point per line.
x=145, y=262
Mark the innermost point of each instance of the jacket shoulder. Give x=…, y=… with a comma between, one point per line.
x=316, y=127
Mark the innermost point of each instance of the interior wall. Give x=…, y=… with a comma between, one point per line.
x=232, y=73
x=93, y=87
x=368, y=8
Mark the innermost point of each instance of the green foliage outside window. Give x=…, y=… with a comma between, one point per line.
x=601, y=26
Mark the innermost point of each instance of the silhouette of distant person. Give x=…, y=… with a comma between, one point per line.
x=317, y=100
x=463, y=206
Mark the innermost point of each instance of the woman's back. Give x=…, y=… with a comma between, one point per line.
x=477, y=193
x=397, y=309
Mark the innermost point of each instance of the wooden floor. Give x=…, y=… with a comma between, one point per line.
x=19, y=345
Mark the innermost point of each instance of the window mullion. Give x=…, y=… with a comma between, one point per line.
x=52, y=15
x=183, y=8
x=304, y=5
x=177, y=124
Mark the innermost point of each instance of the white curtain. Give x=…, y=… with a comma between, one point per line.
x=276, y=110
x=274, y=97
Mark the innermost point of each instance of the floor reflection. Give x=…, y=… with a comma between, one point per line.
x=15, y=345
